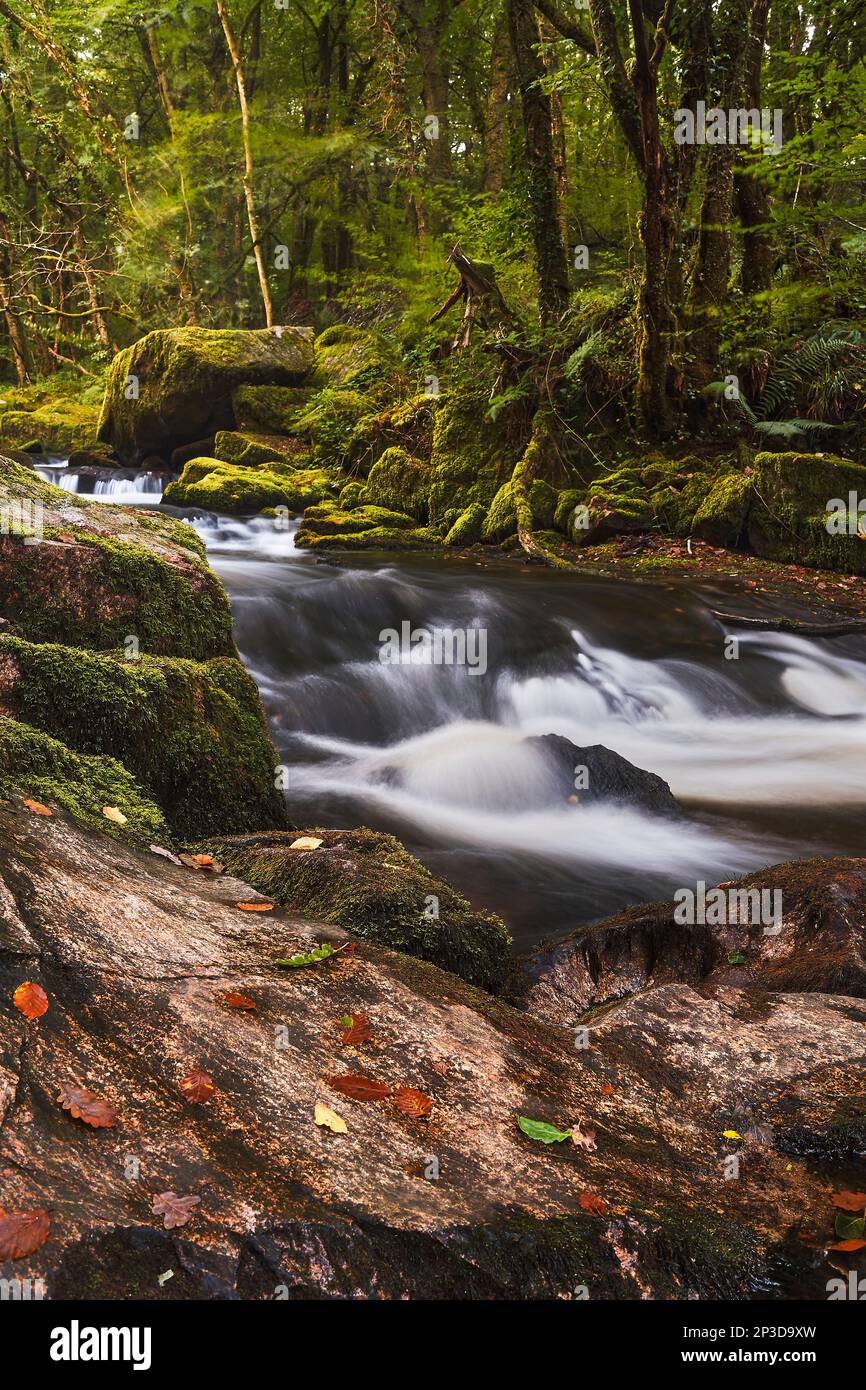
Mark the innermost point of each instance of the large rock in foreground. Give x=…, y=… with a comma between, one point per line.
x=135, y=954
x=174, y=386
x=818, y=943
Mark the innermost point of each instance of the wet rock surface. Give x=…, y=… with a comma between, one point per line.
x=134, y=953
x=795, y=927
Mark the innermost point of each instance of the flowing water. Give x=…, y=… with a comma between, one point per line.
x=767, y=752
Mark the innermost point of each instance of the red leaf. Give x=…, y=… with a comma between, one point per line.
x=412, y=1102
x=590, y=1202
x=237, y=1001
x=255, y=907
x=358, y=1031
x=22, y=1232
x=84, y=1105
x=849, y=1245
x=359, y=1087
x=197, y=1086
x=36, y=807
x=849, y=1201
x=30, y=999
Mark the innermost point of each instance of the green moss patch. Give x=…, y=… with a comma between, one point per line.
x=226, y=487
x=401, y=482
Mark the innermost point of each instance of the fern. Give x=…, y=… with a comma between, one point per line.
x=820, y=373
x=791, y=429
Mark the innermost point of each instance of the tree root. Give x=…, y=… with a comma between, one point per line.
x=521, y=482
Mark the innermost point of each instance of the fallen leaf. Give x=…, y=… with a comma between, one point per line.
x=412, y=1102
x=850, y=1227
x=731, y=1134
x=204, y=861
x=606, y=1089
x=359, y=1087
x=112, y=813
x=255, y=907
x=22, y=1232
x=849, y=1201
x=311, y=957
x=590, y=1202
x=355, y=1030
x=36, y=807
x=30, y=999
x=306, y=842
x=174, y=1210
x=237, y=1001
x=84, y=1105
x=163, y=1278
x=584, y=1138
x=197, y=1086
x=848, y=1245
x=324, y=1115
x=544, y=1133
x=166, y=853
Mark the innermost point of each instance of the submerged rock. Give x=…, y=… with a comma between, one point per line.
x=370, y=885
x=795, y=927
x=175, y=385
x=135, y=955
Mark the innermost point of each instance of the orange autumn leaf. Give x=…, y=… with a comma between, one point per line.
x=30, y=999
x=606, y=1089
x=359, y=1087
x=22, y=1232
x=357, y=1031
x=591, y=1202
x=849, y=1201
x=255, y=907
x=849, y=1245
x=197, y=1086
x=237, y=1001
x=84, y=1105
x=36, y=807
x=412, y=1102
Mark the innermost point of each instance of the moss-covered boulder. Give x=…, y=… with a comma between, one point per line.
x=89, y=574
x=326, y=424
x=37, y=767
x=239, y=490
x=801, y=511
x=328, y=520
x=251, y=450
x=60, y=427
x=175, y=385
x=351, y=496
x=406, y=424
x=466, y=527
x=357, y=359
x=192, y=734
x=473, y=456
x=401, y=482
x=501, y=519
x=370, y=885
x=269, y=409
x=364, y=528
x=720, y=518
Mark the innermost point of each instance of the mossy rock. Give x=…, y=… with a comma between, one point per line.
x=351, y=495
x=327, y=423
x=788, y=515
x=720, y=518
x=327, y=520
x=58, y=428
x=466, y=527
x=407, y=425
x=370, y=885
x=400, y=482
x=95, y=574
x=473, y=456
x=40, y=768
x=252, y=450
x=501, y=519
x=357, y=359
x=185, y=378
x=240, y=490
x=192, y=734
x=390, y=537
x=269, y=409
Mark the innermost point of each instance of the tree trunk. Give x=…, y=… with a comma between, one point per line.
x=535, y=105
x=753, y=203
x=496, y=109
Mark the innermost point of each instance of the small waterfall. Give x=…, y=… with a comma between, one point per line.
x=120, y=486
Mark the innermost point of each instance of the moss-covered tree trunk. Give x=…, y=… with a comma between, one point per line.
x=753, y=204
x=535, y=106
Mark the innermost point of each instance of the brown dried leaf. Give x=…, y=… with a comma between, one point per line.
x=84, y=1105
x=849, y=1201
x=583, y=1137
x=848, y=1245
x=359, y=1087
x=30, y=999
x=174, y=1210
x=412, y=1102
x=197, y=1086
x=357, y=1032
x=592, y=1203
x=22, y=1232
x=36, y=807
x=255, y=907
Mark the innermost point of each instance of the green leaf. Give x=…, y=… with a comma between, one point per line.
x=850, y=1227
x=736, y=958
x=307, y=958
x=544, y=1133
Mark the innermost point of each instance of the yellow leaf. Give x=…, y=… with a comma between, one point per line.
x=306, y=842
x=326, y=1116
x=112, y=813
x=731, y=1134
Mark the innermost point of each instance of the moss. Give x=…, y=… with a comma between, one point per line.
x=255, y=450
x=390, y=537
x=357, y=360
x=566, y=502
x=407, y=425
x=720, y=517
x=328, y=520
x=351, y=495
x=466, y=528
x=328, y=421
x=59, y=427
x=185, y=378
x=501, y=519
x=473, y=456
x=371, y=886
x=401, y=482
x=192, y=734
x=225, y=487
x=788, y=517
x=268, y=409
x=38, y=767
